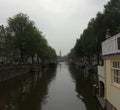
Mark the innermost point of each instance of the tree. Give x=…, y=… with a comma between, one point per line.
x=28, y=40
x=112, y=15
x=19, y=25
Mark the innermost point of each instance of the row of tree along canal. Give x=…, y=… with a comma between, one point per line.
x=22, y=42
x=23, y=47
x=89, y=44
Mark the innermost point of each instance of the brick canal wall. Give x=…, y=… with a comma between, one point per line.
x=7, y=73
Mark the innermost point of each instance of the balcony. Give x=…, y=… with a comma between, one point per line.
x=111, y=45
x=100, y=71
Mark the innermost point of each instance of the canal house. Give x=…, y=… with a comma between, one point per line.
x=111, y=70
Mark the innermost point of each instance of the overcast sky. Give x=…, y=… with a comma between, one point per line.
x=61, y=21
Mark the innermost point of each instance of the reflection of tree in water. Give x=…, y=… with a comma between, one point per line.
x=84, y=88
x=26, y=92
x=39, y=94
x=60, y=65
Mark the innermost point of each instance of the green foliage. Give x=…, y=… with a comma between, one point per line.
x=118, y=29
x=112, y=15
x=25, y=40
x=72, y=54
x=51, y=53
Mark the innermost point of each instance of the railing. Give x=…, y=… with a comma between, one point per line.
x=101, y=71
x=111, y=45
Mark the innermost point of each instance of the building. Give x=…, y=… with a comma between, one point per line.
x=101, y=84
x=111, y=57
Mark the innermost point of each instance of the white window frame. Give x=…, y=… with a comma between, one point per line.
x=116, y=72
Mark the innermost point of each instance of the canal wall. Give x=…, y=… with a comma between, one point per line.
x=8, y=73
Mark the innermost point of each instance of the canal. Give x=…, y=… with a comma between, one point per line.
x=63, y=87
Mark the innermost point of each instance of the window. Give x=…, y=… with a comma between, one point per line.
x=118, y=41
x=116, y=72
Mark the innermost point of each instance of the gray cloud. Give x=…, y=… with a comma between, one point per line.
x=61, y=21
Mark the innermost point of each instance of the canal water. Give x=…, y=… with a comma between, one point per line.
x=63, y=87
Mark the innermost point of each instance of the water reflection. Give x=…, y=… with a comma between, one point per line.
x=61, y=94
x=26, y=92
x=60, y=88
x=84, y=88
